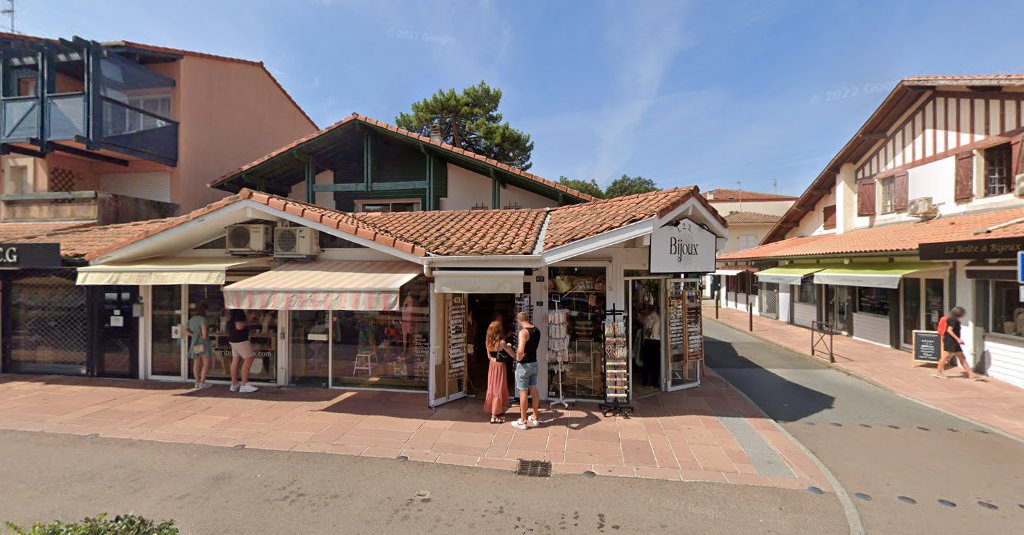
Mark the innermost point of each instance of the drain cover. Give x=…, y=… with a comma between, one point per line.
x=893, y=426
x=988, y=505
x=815, y=490
x=590, y=473
x=866, y=425
x=533, y=468
x=907, y=500
x=862, y=496
x=238, y=446
x=946, y=503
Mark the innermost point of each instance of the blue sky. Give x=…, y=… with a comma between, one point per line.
x=706, y=93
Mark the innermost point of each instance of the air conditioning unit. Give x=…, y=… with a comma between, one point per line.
x=248, y=239
x=1018, y=185
x=296, y=242
x=922, y=207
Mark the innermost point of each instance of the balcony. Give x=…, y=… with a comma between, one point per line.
x=85, y=100
x=103, y=208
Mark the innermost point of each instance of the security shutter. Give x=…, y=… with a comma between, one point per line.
x=964, y=190
x=902, y=190
x=866, y=197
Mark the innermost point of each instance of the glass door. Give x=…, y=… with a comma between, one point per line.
x=119, y=341
x=911, y=308
x=309, y=347
x=934, y=302
x=166, y=358
x=644, y=326
x=837, y=299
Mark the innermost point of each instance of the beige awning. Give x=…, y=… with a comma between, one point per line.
x=164, y=270
x=478, y=282
x=324, y=285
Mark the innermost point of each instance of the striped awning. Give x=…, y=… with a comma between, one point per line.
x=164, y=271
x=323, y=285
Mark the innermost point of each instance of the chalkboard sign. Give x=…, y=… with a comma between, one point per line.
x=927, y=346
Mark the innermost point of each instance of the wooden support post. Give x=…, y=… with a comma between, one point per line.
x=367, y=162
x=310, y=180
x=495, y=191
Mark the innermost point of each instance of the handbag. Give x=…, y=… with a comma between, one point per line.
x=199, y=350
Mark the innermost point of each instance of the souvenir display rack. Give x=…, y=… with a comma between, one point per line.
x=558, y=348
x=616, y=366
x=457, y=337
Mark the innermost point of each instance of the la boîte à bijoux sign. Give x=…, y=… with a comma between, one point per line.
x=683, y=248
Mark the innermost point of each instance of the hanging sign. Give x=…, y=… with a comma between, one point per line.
x=971, y=249
x=685, y=247
x=29, y=255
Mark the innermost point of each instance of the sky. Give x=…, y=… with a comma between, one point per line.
x=752, y=94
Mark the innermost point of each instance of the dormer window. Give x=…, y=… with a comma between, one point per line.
x=997, y=171
x=888, y=189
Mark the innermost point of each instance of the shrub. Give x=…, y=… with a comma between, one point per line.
x=100, y=525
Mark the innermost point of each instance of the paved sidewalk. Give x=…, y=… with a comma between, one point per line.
x=705, y=434
x=990, y=402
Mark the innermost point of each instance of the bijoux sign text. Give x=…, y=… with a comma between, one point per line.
x=683, y=248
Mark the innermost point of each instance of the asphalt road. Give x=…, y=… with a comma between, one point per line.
x=880, y=444
x=219, y=490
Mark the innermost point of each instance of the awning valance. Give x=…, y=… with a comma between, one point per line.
x=165, y=270
x=885, y=275
x=789, y=274
x=478, y=282
x=323, y=285
x=728, y=272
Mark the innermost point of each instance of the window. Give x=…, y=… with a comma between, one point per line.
x=747, y=241
x=828, y=217
x=997, y=170
x=888, y=187
x=873, y=301
x=1007, y=315
x=807, y=291
x=396, y=205
x=156, y=104
x=19, y=179
x=27, y=87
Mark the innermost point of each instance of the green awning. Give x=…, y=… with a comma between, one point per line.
x=791, y=274
x=885, y=275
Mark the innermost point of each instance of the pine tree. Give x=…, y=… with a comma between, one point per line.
x=629, y=185
x=470, y=120
x=589, y=187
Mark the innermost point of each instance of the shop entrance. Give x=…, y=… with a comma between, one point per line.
x=645, y=322
x=837, y=303
x=118, y=344
x=482, y=310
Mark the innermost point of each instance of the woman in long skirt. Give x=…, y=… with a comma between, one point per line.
x=496, y=401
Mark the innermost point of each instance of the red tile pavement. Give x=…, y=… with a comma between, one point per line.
x=990, y=402
x=674, y=436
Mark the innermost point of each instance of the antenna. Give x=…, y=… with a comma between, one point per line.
x=9, y=11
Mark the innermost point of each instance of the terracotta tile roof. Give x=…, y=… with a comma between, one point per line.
x=896, y=238
x=751, y=218
x=571, y=223
x=11, y=231
x=465, y=232
x=182, y=52
x=441, y=233
x=81, y=242
x=355, y=117
x=733, y=195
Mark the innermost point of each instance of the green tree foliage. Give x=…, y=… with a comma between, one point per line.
x=470, y=120
x=589, y=187
x=620, y=187
x=629, y=185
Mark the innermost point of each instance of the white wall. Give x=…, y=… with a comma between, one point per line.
x=813, y=222
x=466, y=189
x=785, y=296
x=155, y=185
x=322, y=198
x=1005, y=359
x=762, y=207
x=511, y=195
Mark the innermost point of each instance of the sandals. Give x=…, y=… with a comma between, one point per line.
x=497, y=419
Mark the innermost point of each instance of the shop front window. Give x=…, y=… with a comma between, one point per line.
x=807, y=291
x=262, y=335
x=935, y=303
x=1007, y=314
x=387, y=349
x=580, y=291
x=873, y=301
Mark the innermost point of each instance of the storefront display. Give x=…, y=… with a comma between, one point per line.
x=616, y=362
x=581, y=292
x=685, y=334
x=558, y=353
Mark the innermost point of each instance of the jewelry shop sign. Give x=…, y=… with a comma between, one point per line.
x=683, y=248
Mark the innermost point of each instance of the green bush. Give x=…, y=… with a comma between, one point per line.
x=100, y=525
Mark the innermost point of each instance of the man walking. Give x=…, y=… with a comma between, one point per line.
x=526, y=371
x=241, y=351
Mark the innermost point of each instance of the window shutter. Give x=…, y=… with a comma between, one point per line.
x=901, y=185
x=866, y=197
x=828, y=215
x=964, y=190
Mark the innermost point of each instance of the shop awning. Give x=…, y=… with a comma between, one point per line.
x=478, y=282
x=728, y=272
x=886, y=275
x=324, y=285
x=788, y=274
x=165, y=270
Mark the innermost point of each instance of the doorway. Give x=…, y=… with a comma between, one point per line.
x=118, y=344
x=645, y=325
x=768, y=300
x=838, y=313
x=483, y=309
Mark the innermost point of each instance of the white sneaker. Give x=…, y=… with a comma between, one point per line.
x=205, y=385
x=198, y=386
x=532, y=422
x=247, y=389
x=518, y=424
x=234, y=388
